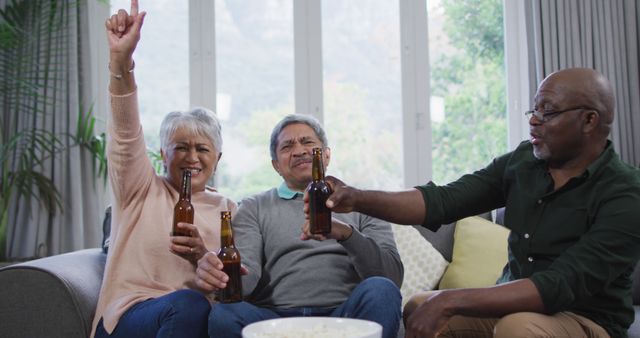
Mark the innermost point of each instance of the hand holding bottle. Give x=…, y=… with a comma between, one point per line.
x=342, y=198
x=339, y=231
x=190, y=247
x=209, y=274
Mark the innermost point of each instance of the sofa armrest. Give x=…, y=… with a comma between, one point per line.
x=51, y=297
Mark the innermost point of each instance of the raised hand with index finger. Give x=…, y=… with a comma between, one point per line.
x=123, y=32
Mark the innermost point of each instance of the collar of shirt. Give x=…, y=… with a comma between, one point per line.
x=602, y=161
x=287, y=194
x=607, y=154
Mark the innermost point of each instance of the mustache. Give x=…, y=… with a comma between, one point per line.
x=303, y=159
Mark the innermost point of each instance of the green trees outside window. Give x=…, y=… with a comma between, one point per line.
x=471, y=78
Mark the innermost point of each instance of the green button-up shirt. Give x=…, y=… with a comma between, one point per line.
x=578, y=244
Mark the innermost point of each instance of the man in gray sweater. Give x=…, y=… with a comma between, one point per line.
x=354, y=271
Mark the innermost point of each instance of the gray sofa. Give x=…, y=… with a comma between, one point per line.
x=56, y=296
x=51, y=297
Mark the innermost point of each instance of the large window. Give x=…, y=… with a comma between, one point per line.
x=468, y=105
x=162, y=63
x=363, y=86
x=362, y=97
x=254, y=63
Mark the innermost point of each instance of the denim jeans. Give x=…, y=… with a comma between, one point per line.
x=376, y=299
x=181, y=313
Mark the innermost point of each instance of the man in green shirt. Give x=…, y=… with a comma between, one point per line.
x=573, y=208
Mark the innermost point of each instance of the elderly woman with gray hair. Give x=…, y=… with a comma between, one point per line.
x=147, y=290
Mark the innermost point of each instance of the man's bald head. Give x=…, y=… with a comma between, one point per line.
x=586, y=87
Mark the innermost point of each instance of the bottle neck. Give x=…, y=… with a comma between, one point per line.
x=226, y=234
x=317, y=169
x=185, y=191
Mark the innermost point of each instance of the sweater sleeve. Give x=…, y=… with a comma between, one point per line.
x=248, y=240
x=130, y=169
x=373, y=250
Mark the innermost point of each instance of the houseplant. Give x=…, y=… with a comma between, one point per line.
x=36, y=119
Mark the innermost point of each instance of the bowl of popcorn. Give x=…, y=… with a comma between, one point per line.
x=313, y=327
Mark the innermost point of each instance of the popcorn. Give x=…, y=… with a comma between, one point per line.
x=317, y=331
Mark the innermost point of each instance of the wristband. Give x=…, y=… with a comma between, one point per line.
x=119, y=76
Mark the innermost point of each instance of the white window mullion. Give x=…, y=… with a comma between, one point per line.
x=202, y=50
x=307, y=41
x=416, y=91
x=99, y=55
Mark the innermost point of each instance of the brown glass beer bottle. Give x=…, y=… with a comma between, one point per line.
x=319, y=191
x=230, y=257
x=183, y=211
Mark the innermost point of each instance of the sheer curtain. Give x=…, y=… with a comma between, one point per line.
x=32, y=230
x=603, y=35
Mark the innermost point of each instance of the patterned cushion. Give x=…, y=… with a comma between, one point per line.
x=423, y=264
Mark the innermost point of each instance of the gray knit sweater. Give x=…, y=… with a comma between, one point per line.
x=287, y=272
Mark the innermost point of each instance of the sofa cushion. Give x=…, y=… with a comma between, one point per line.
x=442, y=239
x=423, y=264
x=479, y=254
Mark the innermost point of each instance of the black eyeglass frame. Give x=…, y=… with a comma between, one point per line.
x=549, y=115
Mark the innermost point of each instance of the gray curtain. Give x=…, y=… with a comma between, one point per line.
x=597, y=34
x=32, y=230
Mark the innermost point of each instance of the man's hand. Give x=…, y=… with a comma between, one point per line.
x=209, y=274
x=341, y=200
x=432, y=315
x=339, y=231
x=429, y=318
x=191, y=247
x=343, y=197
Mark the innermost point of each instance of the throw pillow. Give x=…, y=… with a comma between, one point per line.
x=479, y=254
x=423, y=264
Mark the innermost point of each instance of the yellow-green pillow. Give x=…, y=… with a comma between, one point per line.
x=479, y=254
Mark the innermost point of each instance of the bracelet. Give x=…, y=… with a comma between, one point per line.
x=119, y=76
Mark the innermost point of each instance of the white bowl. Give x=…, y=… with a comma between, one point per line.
x=313, y=327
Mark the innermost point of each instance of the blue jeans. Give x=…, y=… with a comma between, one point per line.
x=376, y=299
x=181, y=313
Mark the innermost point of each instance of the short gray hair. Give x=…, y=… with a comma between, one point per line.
x=309, y=120
x=200, y=121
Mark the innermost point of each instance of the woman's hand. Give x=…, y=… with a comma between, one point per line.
x=191, y=247
x=123, y=34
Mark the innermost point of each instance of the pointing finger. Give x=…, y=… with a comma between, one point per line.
x=134, y=8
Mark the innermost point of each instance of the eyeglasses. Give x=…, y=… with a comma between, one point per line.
x=545, y=116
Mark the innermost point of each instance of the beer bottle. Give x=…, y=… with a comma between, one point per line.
x=230, y=257
x=183, y=211
x=319, y=191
